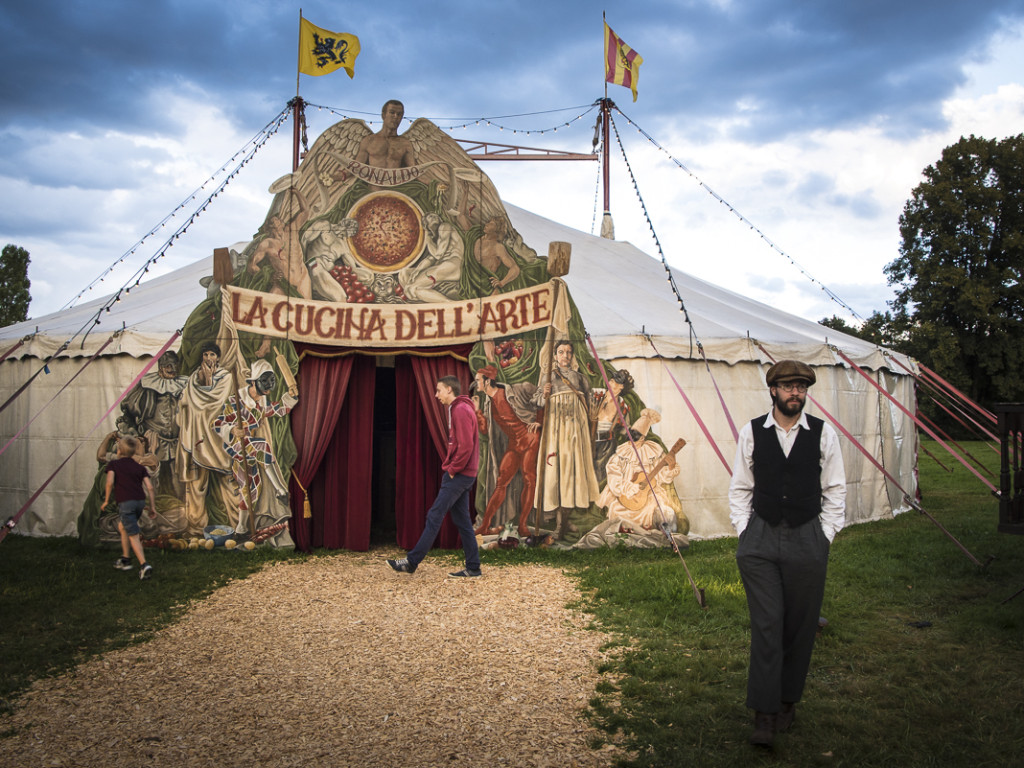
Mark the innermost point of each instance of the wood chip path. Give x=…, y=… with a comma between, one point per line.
x=335, y=661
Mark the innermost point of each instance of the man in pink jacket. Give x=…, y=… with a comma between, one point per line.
x=460, y=466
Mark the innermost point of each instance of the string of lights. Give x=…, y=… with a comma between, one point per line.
x=492, y=122
x=466, y=122
x=256, y=142
x=825, y=289
x=597, y=189
x=657, y=242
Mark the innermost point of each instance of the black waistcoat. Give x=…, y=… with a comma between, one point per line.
x=787, y=487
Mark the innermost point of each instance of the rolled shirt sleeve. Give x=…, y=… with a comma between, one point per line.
x=741, y=487
x=833, y=483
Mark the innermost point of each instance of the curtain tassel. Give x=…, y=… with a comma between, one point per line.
x=307, y=510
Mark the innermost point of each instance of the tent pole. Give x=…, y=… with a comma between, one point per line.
x=298, y=117
x=606, y=173
x=607, y=227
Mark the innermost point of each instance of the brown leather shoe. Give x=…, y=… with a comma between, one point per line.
x=786, y=716
x=764, y=729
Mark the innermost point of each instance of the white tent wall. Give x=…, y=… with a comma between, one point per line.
x=703, y=485
x=623, y=296
x=68, y=423
x=151, y=313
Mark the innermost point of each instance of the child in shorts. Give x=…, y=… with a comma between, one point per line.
x=130, y=483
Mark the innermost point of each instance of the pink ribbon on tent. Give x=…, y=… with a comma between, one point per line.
x=945, y=434
x=9, y=351
x=696, y=416
x=66, y=385
x=936, y=388
x=917, y=421
x=13, y=521
x=698, y=593
x=935, y=459
x=888, y=475
x=721, y=398
x=949, y=387
x=870, y=457
x=23, y=387
x=965, y=425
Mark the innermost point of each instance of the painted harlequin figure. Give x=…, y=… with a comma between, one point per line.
x=242, y=425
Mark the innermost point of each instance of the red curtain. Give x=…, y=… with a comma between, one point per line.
x=333, y=430
x=418, y=465
x=422, y=440
x=342, y=492
x=322, y=387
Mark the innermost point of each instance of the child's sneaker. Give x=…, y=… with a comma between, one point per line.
x=146, y=572
x=123, y=563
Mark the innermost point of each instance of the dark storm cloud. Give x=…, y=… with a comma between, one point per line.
x=799, y=66
x=83, y=66
x=793, y=65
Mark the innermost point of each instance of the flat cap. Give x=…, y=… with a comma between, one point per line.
x=790, y=369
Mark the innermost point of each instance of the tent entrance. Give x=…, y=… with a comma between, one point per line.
x=383, y=527
x=370, y=436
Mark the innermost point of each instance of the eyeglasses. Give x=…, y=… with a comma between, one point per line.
x=791, y=386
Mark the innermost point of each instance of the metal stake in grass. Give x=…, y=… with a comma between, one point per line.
x=698, y=592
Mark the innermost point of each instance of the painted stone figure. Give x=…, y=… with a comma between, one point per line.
x=258, y=482
x=607, y=405
x=435, y=277
x=333, y=270
x=386, y=149
x=627, y=496
x=280, y=248
x=570, y=481
x=151, y=410
x=200, y=449
x=520, y=455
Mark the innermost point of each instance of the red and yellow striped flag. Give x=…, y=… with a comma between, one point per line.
x=621, y=63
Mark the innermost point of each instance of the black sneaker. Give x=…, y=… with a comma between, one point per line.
x=403, y=565
x=146, y=572
x=123, y=563
x=465, y=573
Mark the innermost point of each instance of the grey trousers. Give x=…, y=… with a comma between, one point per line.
x=783, y=571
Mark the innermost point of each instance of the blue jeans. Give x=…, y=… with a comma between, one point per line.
x=130, y=512
x=453, y=497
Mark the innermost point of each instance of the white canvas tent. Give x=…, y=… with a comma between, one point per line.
x=625, y=303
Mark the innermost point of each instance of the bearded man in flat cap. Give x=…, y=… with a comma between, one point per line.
x=787, y=501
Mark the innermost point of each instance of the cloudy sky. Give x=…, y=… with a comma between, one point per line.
x=811, y=120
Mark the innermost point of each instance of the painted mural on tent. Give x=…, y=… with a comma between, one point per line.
x=387, y=240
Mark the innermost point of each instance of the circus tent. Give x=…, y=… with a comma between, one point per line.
x=700, y=362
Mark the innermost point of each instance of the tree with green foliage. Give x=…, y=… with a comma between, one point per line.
x=14, y=285
x=959, y=288
x=879, y=329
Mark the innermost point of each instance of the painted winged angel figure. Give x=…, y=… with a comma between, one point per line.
x=456, y=198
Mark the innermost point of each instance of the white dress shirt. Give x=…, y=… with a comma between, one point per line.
x=833, y=474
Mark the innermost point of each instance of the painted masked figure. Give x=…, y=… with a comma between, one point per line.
x=243, y=428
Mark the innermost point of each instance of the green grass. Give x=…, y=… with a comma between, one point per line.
x=882, y=692
x=61, y=603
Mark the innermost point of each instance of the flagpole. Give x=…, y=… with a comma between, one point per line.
x=607, y=227
x=605, y=20
x=298, y=59
x=297, y=104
